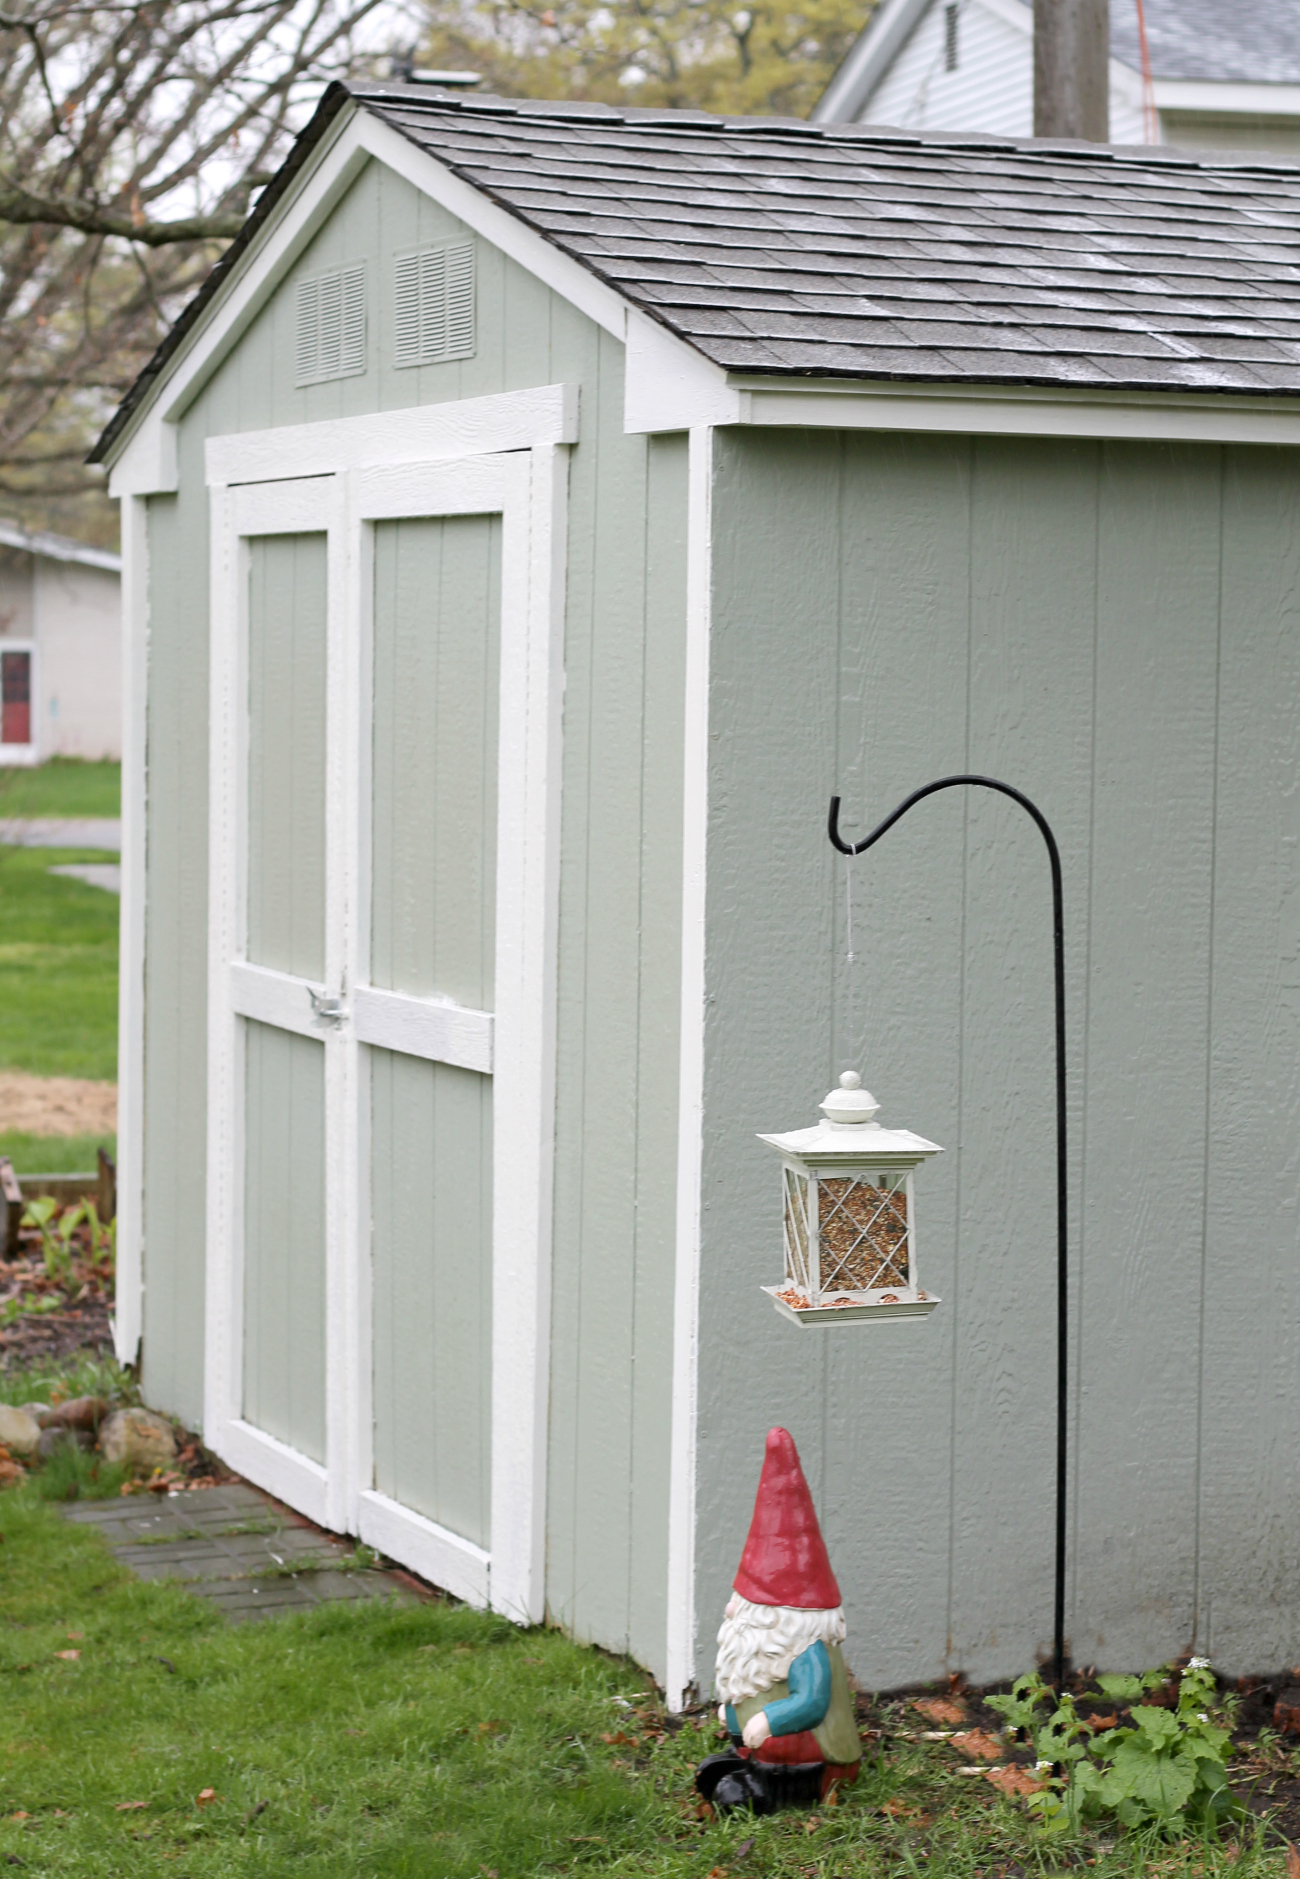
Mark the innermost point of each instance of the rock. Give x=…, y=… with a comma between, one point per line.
x=19, y=1432
x=39, y=1412
x=54, y=1439
x=138, y=1439
x=1286, y=1712
x=83, y=1412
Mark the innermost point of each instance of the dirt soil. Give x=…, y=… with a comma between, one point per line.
x=56, y=1319
x=35, y=1105
x=1265, y=1770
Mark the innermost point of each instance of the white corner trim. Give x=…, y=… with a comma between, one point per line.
x=683, y=1438
x=1019, y=411
x=128, y=1323
x=669, y=386
x=549, y=264
x=148, y=466
x=528, y=852
x=512, y=420
x=1203, y=94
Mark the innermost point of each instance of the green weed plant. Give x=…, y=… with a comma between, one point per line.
x=1166, y=1771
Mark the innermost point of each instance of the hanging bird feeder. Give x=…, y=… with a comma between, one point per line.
x=850, y=1215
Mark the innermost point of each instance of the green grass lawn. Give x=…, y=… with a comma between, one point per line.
x=432, y=1742
x=64, y=786
x=58, y=968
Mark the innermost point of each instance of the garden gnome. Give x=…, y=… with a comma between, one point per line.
x=785, y=1693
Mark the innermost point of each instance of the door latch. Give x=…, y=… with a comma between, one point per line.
x=328, y=1006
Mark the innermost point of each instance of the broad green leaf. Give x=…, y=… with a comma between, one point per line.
x=1123, y=1689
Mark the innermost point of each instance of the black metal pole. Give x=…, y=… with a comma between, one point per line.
x=1062, y=1265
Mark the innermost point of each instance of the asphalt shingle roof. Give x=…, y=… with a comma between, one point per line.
x=1242, y=41
x=784, y=247
x=779, y=247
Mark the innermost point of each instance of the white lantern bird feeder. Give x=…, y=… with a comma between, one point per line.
x=850, y=1215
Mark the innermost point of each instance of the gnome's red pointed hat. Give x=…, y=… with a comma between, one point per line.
x=785, y=1560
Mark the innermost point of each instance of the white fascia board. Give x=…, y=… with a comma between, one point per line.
x=868, y=60
x=514, y=238
x=58, y=548
x=669, y=386
x=1187, y=94
x=144, y=462
x=1021, y=411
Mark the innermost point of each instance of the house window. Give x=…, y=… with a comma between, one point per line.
x=434, y=304
x=950, y=36
x=331, y=337
x=15, y=698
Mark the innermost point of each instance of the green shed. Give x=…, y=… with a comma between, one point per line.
x=539, y=513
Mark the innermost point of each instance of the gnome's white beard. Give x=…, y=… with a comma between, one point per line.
x=758, y=1643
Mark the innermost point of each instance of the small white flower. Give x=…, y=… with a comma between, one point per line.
x=1039, y=1767
x=1198, y=1663
x=1202, y=1717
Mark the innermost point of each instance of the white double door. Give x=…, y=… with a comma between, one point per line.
x=384, y=731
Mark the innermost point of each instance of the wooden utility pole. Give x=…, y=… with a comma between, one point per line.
x=1072, y=69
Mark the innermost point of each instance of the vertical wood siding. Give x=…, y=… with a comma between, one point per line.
x=431, y=1149
x=284, y=1238
x=436, y=631
x=1113, y=628
x=619, y=937
x=286, y=753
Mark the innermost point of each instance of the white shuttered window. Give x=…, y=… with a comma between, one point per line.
x=434, y=293
x=331, y=341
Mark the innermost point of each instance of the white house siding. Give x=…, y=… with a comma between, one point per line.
x=620, y=872
x=1113, y=628
x=79, y=685
x=992, y=89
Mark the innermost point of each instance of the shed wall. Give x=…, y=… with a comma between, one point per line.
x=617, y=1045
x=1115, y=629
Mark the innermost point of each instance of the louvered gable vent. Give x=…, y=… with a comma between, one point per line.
x=332, y=325
x=435, y=304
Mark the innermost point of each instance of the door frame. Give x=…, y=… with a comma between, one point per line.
x=505, y=455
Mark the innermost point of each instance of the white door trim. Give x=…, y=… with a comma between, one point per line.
x=128, y=1317
x=515, y=1042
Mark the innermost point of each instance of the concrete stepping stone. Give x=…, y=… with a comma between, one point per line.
x=235, y=1547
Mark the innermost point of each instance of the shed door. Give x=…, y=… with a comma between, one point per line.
x=365, y=1328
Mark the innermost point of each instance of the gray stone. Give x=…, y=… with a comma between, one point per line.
x=19, y=1431
x=139, y=1440
x=39, y=1411
x=53, y=1439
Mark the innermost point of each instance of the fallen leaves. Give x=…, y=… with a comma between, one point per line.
x=205, y=1797
x=977, y=1742
x=68, y=1656
x=1292, y=1861
x=939, y=1709
x=128, y=1807
x=1014, y=1782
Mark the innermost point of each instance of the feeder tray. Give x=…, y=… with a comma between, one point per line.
x=852, y=1307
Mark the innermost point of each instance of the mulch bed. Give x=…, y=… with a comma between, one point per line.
x=1263, y=1772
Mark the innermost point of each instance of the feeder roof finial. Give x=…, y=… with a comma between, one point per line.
x=850, y=1106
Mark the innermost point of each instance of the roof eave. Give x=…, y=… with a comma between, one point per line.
x=121, y=426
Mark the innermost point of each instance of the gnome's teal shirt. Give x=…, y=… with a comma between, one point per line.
x=809, y=1699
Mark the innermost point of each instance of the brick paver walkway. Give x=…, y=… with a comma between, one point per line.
x=234, y=1546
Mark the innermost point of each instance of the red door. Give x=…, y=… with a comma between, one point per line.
x=15, y=698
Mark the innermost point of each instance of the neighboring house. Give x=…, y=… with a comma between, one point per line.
x=1223, y=76
x=60, y=648
x=541, y=510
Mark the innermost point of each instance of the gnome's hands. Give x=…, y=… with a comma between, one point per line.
x=757, y=1730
